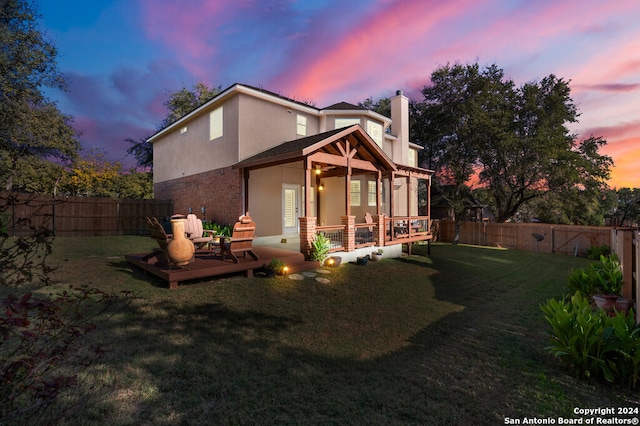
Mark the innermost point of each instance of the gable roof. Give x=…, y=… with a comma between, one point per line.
x=341, y=106
x=298, y=149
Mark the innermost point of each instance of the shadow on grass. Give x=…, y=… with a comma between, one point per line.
x=452, y=344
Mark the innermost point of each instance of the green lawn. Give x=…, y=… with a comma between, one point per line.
x=454, y=338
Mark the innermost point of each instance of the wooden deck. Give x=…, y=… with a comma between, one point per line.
x=205, y=264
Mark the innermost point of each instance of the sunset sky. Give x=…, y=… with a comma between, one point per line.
x=122, y=57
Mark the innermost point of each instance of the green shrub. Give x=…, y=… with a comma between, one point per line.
x=603, y=277
x=320, y=248
x=610, y=274
x=225, y=230
x=594, y=252
x=584, y=280
x=277, y=266
x=592, y=343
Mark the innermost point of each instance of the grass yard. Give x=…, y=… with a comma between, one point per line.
x=454, y=338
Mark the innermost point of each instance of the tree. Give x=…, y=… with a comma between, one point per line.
x=382, y=106
x=184, y=101
x=456, y=105
x=539, y=156
x=134, y=184
x=92, y=175
x=627, y=208
x=513, y=142
x=178, y=104
x=31, y=127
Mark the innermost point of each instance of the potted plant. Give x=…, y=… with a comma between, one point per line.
x=603, y=281
x=376, y=255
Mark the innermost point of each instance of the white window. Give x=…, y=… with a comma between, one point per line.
x=215, y=124
x=355, y=192
x=301, y=125
x=346, y=122
x=372, y=193
x=412, y=158
x=375, y=131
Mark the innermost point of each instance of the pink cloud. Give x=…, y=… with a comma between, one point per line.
x=366, y=52
x=186, y=28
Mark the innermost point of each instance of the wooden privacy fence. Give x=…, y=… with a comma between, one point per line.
x=82, y=216
x=539, y=237
x=561, y=239
x=625, y=242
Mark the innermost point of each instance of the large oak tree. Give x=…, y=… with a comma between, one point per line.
x=512, y=142
x=32, y=129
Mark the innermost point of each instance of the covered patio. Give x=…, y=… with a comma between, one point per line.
x=338, y=168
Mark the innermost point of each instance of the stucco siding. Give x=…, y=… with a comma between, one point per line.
x=264, y=125
x=265, y=195
x=179, y=154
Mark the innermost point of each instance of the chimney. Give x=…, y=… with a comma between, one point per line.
x=400, y=127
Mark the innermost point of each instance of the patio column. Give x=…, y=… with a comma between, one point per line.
x=379, y=230
x=349, y=236
x=307, y=234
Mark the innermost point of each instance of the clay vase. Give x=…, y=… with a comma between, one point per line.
x=180, y=249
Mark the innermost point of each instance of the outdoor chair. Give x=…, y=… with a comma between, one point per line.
x=157, y=232
x=241, y=240
x=365, y=235
x=368, y=219
x=194, y=231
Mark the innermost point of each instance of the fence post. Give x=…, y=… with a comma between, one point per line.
x=622, y=245
x=636, y=275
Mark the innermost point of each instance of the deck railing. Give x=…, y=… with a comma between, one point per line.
x=383, y=231
x=334, y=234
x=403, y=227
x=365, y=234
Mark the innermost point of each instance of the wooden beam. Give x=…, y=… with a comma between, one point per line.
x=335, y=160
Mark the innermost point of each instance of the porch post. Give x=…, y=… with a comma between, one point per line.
x=392, y=203
x=379, y=193
x=245, y=189
x=307, y=234
x=349, y=236
x=379, y=236
x=307, y=188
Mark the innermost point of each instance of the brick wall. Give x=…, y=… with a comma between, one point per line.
x=219, y=191
x=307, y=234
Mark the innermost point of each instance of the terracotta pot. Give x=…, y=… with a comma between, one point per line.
x=180, y=249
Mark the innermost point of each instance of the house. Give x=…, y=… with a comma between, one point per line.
x=343, y=170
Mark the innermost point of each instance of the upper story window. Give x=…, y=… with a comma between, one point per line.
x=375, y=131
x=345, y=122
x=215, y=124
x=301, y=125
